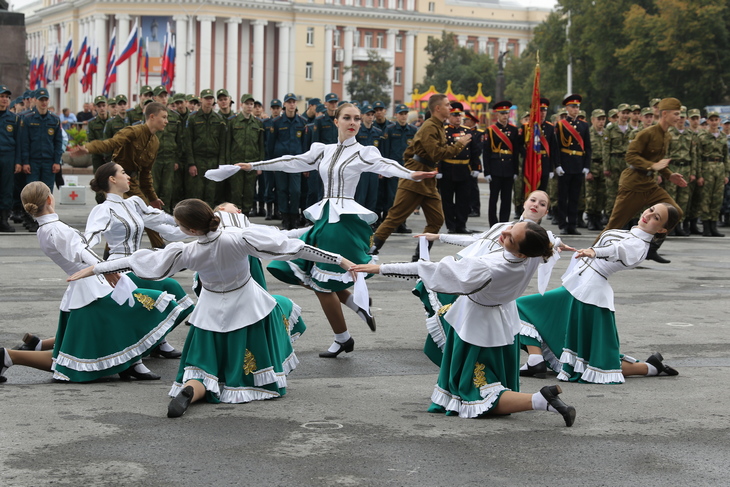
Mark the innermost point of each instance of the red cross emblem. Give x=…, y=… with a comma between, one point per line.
x=73, y=195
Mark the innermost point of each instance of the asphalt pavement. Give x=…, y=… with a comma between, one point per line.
x=361, y=419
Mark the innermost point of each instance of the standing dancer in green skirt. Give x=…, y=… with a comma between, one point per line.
x=96, y=337
x=238, y=348
x=340, y=224
x=572, y=329
x=479, y=369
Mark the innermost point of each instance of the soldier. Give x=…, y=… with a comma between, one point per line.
x=395, y=141
x=136, y=114
x=725, y=211
x=272, y=207
x=178, y=185
x=285, y=138
x=614, y=154
x=169, y=154
x=475, y=206
x=119, y=121
x=311, y=112
x=612, y=117
x=654, y=105
x=275, y=108
x=205, y=139
x=9, y=157
x=381, y=121
x=501, y=147
x=684, y=160
x=225, y=104
x=595, y=179
x=458, y=171
x=95, y=131
x=713, y=174
x=367, y=188
x=695, y=191
x=193, y=103
x=634, y=118
x=245, y=144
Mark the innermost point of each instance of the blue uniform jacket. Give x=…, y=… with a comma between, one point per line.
x=41, y=138
x=9, y=138
x=286, y=136
x=325, y=130
x=395, y=140
x=369, y=136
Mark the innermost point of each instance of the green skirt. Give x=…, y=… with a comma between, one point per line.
x=349, y=237
x=435, y=324
x=578, y=340
x=243, y=365
x=168, y=285
x=472, y=378
x=104, y=338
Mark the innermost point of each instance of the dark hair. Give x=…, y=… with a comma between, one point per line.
x=536, y=242
x=153, y=109
x=672, y=217
x=100, y=183
x=342, y=107
x=196, y=215
x=435, y=100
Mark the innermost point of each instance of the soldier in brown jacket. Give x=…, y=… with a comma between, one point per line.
x=425, y=151
x=135, y=149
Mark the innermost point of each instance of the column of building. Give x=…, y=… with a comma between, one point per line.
x=258, y=59
x=232, y=25
x=182, y=49
x=328, y=42
x=349, y=45
x=100, y=37
x=409, y=63
x=123, y=69
x=390, y=42
x=284, y=51
x=205, y=53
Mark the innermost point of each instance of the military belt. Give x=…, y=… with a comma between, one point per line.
x=543, y=152
x=420, y=159
x=597, y=161
x=713, y=159
x=618, y=154
x=457, y=161
x=572, y=152
x=503, y=151
x=642, y=171
x=680, y=163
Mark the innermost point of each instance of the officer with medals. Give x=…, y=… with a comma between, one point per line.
x=9, y=156
x=501, y=147
x=572, y=164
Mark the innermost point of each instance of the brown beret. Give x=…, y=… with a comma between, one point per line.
x=669, y=104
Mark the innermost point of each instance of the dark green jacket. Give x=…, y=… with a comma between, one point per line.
x=245, y=140
x=205, y=138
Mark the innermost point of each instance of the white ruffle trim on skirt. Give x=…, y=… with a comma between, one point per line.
x=210, y=382
x=587, y=372
x=529, y=330
x=468, y=409
x=320, y=275
x=129, y=353
x=269, y=376
x=296, y=313
x=59, y=376
x=436, y=330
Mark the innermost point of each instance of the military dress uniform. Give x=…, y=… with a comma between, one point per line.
x=395, y=141
x=614, y=160
x=714, y=170
x=683, y=153
x=596, y=187
x=501, y=151
x=455, y=184
x=205, y=139
x=9, y=161
x=245, y=144
x=366, y=193
x=41, y=146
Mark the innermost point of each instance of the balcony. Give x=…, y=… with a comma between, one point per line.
x=361, y=54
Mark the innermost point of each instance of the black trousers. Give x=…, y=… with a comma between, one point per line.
x=569, y=186
x=455, y=199
x=500, y=189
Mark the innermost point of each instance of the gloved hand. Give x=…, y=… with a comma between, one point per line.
x=559, y=171
x=551, y=175
x=488, y=177
x=514, y=178
x=586, y=170
x=475, y=174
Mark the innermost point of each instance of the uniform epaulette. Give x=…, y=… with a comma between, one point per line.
x=233, y=115
x=130, y=109
x=138, y=122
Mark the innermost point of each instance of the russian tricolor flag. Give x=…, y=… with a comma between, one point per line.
x=68, y=52
x=130, y=47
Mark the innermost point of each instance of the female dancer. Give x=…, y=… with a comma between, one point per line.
x=122, y=222
x=573, y=327
x=341, y=225
x=238, y=348
x=96, y=337
x=479, y=369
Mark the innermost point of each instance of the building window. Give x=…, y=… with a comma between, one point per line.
x=380, y=40
x=399, y=5
x=431, y=6
x=470, y=45
x=336, y=73
x=490, y=48
x=368, y=40
x=310, y=36
x=398, y=76
x=308, y=71
x=399, y=43
x=336, y=37
x=369, y=3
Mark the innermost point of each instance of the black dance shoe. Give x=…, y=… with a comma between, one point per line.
x=657, y=361
x=538, y=371
x=131, y=373
x=30, y=341
x=180, y=403
x=550, y=393
x=367, y=318
x=156, y=352
x=346, y=347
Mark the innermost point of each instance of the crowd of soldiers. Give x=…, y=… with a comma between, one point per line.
x=581, y=161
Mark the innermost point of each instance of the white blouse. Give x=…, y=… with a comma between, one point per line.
x=616, y=250
x=477, y=244
x=339, y=166
x=229, y=299
x=69, y=250
x=485, y=313
x=122, y=223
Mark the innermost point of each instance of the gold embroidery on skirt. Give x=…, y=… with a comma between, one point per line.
x=286, y=324
x=249, y=362
x=444, y=309
x=146, y=301
x=479, y=378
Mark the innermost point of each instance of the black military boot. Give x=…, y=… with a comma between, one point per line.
x=679, y=231
x=592, y=222
x=4, y=225
x=375, y=245
x=693, y=228
x=685, y=227
x=17, y=215
x=261, y=211
x=653, y=250
x=713, y=230
x=706, y=228
x=269, y=211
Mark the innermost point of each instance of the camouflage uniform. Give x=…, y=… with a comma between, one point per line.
x=683, y=153
x=614, y=160
x=714, y=168
x=245, y=143
x=205, y=142
x=168, y=155
x=596, y=188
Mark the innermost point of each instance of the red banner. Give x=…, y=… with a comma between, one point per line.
x=534, y=140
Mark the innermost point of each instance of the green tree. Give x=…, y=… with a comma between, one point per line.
x=464, y=67
x=370, y=80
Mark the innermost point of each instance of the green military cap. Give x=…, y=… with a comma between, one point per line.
x=683, y=108
x=635, y=108
x=111, y=101
x=669, y=104
x=713, y=114
x=646, y=110
x=192, y=97
x=726, y=121
x=222, y=92
x=207, y=93
x=247, y=96
x=693, y=112
x=654, y=101
x=612, y=112
x=599, y=113
x=159, y=89
x=582, y=113
x=4, y=90
x=145, y=90
x=147, y=102
x=122, y=98
x=99, y=99
x=624, y=106
x=178, y=97
x=683, y=113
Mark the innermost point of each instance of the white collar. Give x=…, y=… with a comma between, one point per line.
x=348, y=142
x=114, y=197
x=639, y=233
x=49, y=218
